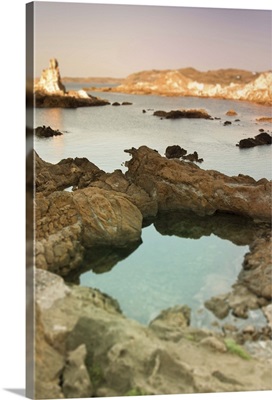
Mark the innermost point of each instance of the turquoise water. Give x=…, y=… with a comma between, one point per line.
x=169, y=268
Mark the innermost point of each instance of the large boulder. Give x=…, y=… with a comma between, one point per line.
x=177, y=185
x=66, y=223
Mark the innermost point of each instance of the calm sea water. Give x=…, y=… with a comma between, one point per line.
x=164, y=270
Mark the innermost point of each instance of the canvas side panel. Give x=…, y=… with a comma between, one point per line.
x=30, y=337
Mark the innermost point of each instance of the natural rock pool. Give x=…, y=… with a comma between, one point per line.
x=183, y=259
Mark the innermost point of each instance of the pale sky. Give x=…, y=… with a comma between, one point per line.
x=117, y=40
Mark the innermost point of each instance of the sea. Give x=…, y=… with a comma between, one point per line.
x=166, y=269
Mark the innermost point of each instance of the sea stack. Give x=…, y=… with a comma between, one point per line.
x=50, y=80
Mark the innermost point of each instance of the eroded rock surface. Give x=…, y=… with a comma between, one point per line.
x=177, y=185
x=120, y=357
x=66, y=223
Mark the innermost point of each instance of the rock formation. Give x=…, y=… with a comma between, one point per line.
x=50, y=92
x=177, y=185
x=227, y=84
x=50, y=80
x=85, y=347
x=259, y=140
x=175, y=114
x=46, y=131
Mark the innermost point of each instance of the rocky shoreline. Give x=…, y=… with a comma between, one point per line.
x=223, y=84
x=84, y=345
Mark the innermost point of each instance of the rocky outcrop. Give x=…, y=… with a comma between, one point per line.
x=85, y=347
x=257, y=267
x=50, y=80
x=176, y=151
x=69, y=172
x=80, y=173
x=46, y=131
x=227, y=84
x=51, y=93
x=176, y=114
x=67, y=223
x=259, y=140
x=177, y=185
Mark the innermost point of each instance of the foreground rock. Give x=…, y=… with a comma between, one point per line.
x=177, y=185
x=85, y=347
x=67, y=223
x=51, y=93
x=259, y=140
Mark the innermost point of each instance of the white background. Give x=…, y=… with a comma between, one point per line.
x=12, y=86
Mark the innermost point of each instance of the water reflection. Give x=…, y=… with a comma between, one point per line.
x=239, y=230
x=236, y=229
x=101, y=259
x=171, y=267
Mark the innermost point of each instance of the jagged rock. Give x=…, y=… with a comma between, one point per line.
x=218, y=306
x=43, y=131
x=67, y=222
x=50, y=80
x=124, y=357
x=192, y=157
x=116, y=103
x=51, y=93
x=175, y=114
x=68, y=172
x=259, y=140
x=175, y=151
x=177, y=186
x=257, y=267
x=81, y=173
x=227, y=123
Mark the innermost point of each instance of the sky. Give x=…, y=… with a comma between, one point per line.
x=117, y=40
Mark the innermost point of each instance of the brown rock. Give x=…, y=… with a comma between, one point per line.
x=178, y=186
x=231, y=113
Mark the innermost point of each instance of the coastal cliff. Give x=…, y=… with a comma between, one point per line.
x=224, y=83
